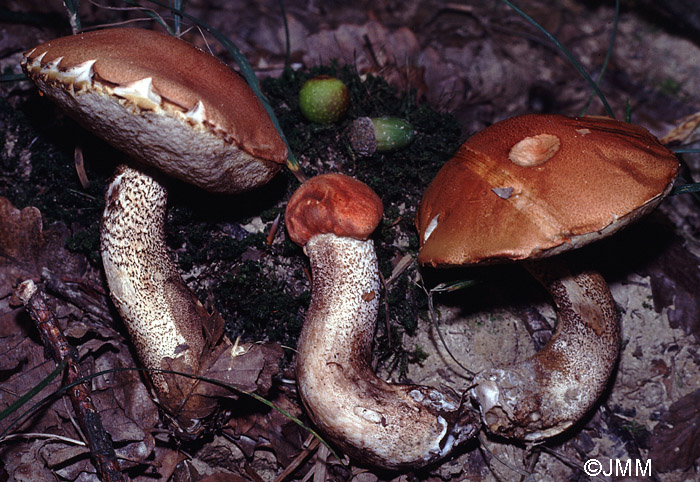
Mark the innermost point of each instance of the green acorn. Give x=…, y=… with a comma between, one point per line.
x=324, y=99
x=380, y=134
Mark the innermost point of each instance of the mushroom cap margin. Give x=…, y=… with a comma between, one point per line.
x=482, y=207
x=234, y=144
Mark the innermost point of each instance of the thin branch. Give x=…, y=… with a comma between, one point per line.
x=98, y=440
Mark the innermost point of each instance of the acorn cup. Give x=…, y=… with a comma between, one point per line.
x=380, y=134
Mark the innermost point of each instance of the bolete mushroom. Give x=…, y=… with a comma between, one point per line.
x=531, y=187
x=390, y=426
x=175, y=109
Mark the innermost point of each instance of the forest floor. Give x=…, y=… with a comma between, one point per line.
x=452, y=69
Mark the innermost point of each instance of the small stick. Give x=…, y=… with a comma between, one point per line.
x=98, y=440
x=80, y=167
x=89, y=299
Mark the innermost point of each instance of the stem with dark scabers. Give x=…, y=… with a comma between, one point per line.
x=387, y=425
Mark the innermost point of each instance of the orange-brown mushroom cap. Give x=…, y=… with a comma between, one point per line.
x=332, y=204
x=164, y=102
x=535, y=185
x=387, y=425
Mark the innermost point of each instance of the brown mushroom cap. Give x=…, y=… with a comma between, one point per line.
x=535, y=185
x=332, y=204
x=195, y=118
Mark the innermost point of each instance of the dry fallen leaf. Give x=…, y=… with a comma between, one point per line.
x=675, y=286
x=247, y=368
x=685, y=132
x=270, y=429
x=676, y=441
x=127, y=410
x=372, y=49
x=26, y=248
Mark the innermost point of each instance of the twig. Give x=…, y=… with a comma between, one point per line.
x=79, y=162
x=321, y=466
x=483, y=446
x=310, y=445
x=98, y=440
x=535, y=324
x=89, y=299
x=434, y=318
x=565, y=52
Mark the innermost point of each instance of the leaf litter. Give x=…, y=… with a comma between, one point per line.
x=479, y=64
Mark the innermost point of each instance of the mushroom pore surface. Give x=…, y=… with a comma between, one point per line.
x=163, y=102
x=390, y=426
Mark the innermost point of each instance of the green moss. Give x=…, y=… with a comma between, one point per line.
x=269, y=215
x=39, y=170
x=258, y=307
x=637, y=430
x=396, y=176
x=86, y=242
x=419, y=355
x=399, y=177
x=234, y=268
x=204, y=242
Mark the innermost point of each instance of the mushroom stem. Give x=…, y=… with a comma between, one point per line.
x=391, y=426
x=163, y=317
x=550, y=391
x=179, y=110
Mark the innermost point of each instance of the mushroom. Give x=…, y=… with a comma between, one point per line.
x=531, y=187
x=390, y=426
x=173, y=109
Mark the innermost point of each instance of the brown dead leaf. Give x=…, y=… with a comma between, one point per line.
x=676, y=441
x=224, y=478
x=21, y=244
x=675, y=286
x=248, y=368
x=270, y=429
x=371, y=48
x=21, y=237
x=685, y=132
x=57, y=457
x=31, y=367
x=26, y=248
x=24, y=467
x=126, y=409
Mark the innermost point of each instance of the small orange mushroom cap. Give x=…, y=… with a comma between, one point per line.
x=536, y=185
x=332, y=204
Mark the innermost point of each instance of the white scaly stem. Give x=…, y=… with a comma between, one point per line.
x=392, y=426
x=550, y=391
x=160, y=312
